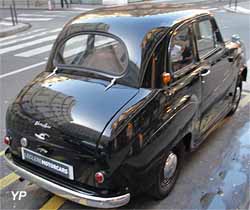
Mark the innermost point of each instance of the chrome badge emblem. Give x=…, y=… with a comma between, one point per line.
x=42, y=150
x=42, y=136
x=43, y=125
x=24, y=142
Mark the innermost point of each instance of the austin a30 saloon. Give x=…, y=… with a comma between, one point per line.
x=126, y=93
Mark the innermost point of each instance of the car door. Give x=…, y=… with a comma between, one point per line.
x=175, y=105
x=215, y=68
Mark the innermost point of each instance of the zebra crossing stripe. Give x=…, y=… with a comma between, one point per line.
x=22, y=69
x=30, y=19
x=35, y=51
x=27, y=44
x=28, y=37
x=21, y=34
x=39, y=15
x=47, y=48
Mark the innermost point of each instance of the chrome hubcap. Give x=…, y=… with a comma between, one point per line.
x=170, y=166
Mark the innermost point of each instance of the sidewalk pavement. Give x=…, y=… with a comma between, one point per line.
x=43, y=5
x=7, y=29
x=242, y=7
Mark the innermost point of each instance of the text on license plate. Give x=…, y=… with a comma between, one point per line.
x=49, y=164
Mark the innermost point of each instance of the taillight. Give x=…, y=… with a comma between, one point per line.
x=6, y=140
x=99, y=177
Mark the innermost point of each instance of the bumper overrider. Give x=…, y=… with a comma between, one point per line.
x=76, y=196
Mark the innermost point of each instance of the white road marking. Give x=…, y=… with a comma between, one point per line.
x=21, y=34
x=6, y=23
x=30, y=19
x=29, y=37
x=35, y=51
x=27, y=44
x=243, y=10
x=238, y=9
x=81, y=9
x=39, y=15
x=22, y=69
x=212, y=9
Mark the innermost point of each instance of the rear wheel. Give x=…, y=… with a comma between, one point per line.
x=236, y=98
x=167, y=173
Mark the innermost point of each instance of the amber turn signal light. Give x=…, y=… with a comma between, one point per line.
x=165, y=77
x=130, y=129
x=6, y=140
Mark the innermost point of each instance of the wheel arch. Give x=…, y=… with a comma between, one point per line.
x=243, y=74
x=187, y=140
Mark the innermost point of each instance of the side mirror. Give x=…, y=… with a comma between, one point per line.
x=235, y=38
x=165, y=78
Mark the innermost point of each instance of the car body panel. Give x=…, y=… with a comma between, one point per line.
x=67, y=106
x=124, y=130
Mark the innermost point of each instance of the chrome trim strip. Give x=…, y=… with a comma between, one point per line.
x=76, y=196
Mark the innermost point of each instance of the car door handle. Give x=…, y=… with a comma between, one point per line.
x=205, y=72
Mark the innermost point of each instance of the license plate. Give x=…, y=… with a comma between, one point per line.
x=49, y=164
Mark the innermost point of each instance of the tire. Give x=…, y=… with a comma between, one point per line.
x=164, y=180
x=236, y=97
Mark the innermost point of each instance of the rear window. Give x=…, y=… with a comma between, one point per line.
x=94, y=52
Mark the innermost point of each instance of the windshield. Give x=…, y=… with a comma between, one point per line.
x=95, y=52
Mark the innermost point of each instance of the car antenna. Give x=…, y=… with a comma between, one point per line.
x=110, y=84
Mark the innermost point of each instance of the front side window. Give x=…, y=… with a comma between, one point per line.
x=181, y=52
x=204, y=37
x=94, y=52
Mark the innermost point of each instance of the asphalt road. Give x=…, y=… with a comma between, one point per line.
x=217, y=176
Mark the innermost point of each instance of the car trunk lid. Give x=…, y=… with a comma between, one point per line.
x=65, y=115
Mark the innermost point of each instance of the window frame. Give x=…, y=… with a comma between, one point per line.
x=161, y=46
x=86, y=69
x=216, y=46
x=186, y=68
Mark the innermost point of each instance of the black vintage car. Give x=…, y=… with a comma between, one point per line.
x=127, y=91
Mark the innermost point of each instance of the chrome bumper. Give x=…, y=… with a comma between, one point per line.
x=76, y=196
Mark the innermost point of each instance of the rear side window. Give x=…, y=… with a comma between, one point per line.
x=95, y=52
x=204, y=37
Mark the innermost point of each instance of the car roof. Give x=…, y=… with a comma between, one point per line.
x=135, y=24
x=159, y=14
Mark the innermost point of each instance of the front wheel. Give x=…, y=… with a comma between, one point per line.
x=167, y=173
x=236, y=97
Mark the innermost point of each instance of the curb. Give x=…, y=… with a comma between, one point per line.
x=238, y=9
x=15, y=29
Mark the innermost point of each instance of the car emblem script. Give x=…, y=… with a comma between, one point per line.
x=42, y=136
x=43, y=125
x=24, y=142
